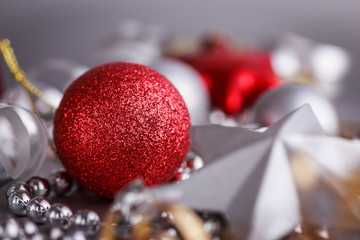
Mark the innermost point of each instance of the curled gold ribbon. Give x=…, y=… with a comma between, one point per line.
x=20, y=77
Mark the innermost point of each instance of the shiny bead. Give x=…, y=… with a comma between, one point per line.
x=17, y=185
x=28, y=228
x=18, y=201
x=61, y=182
x=38, y=236
x=215, y=224
x=10, y=228
x=56, y=234
x=37, y=208
x=75, y=235
x=87, y=221
x=39, y=186
x=59, y=215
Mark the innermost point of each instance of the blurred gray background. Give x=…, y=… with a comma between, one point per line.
x=41, y=29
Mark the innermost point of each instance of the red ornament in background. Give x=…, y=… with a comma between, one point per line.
x=234, y=79
x=118, y=122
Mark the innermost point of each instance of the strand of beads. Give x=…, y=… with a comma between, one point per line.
x=29, y=199
x=12, y=228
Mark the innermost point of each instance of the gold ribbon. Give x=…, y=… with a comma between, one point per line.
x=20, y=77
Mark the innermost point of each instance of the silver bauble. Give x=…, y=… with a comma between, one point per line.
x=37, y=208
x=17, y=95
x=135, y=52
x=131, y=41
x=277, y=103
x=15, y=186
x=325, y=66
x=39, y=186
x=87, y=221
x=190, y=86
x=58, y=73
x=17, y=202
x=59, y=215
x=61, y=182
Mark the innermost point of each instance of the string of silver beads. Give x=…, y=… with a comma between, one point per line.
x=29, y=199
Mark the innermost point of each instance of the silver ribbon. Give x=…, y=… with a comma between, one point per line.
x=23, y=143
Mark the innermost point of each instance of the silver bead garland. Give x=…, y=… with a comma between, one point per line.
x=37, y=208
x=17, y=202
x=30, y=200
x=39, y=186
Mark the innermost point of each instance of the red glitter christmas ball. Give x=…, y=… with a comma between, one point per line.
x=118, y=122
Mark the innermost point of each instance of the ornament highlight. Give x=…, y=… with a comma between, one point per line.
x=118, y=122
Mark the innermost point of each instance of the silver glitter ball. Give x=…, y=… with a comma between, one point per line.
x=87, y=221
x=277, y=103
x=61, y=182
x=17, y=202
x=15, y=186
x=59, y=215
x=39, y=186
x=37, y=208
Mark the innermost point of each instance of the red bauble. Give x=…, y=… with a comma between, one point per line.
x=118, y=122
x=234, y=79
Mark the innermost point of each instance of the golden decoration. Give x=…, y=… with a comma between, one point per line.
x=20, y=77
x=186, y=221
